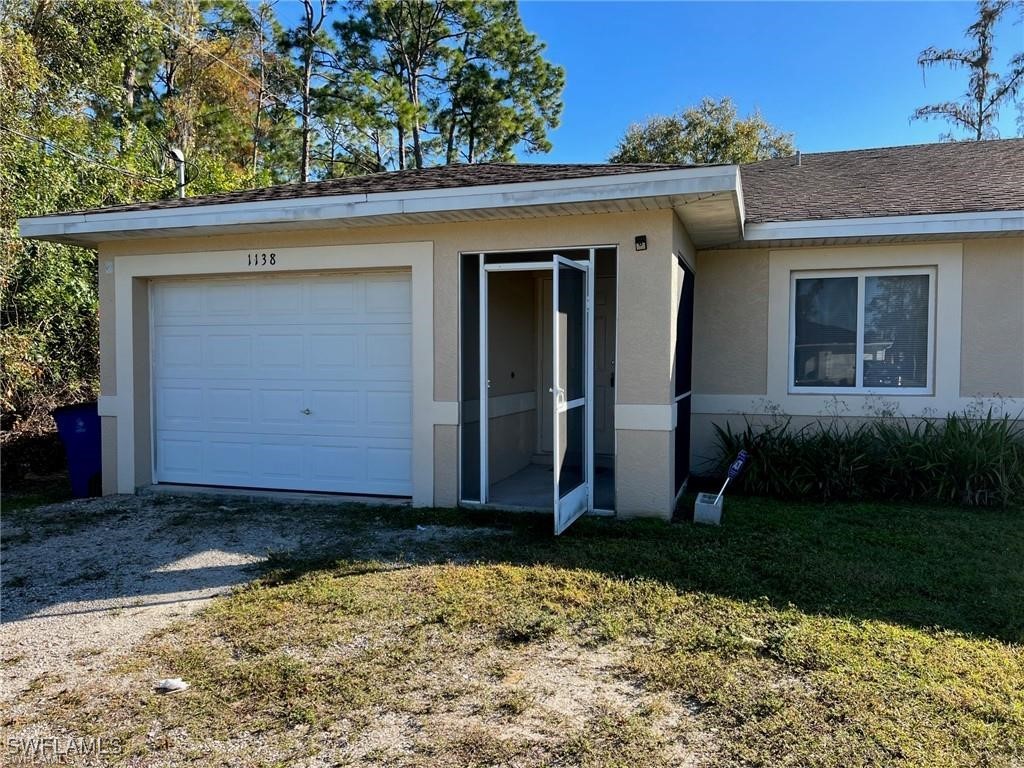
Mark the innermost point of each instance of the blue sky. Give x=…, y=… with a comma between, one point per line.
x=837, y=75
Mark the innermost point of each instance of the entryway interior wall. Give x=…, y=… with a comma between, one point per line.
x=519, y=372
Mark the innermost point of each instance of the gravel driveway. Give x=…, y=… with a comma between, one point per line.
x=84, y=581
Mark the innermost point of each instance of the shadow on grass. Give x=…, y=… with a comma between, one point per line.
x=942, y=567
x=926, y=567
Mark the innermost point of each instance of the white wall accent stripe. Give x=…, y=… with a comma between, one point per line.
x=648, y=418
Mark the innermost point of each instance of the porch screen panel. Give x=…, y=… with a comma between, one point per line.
x=681, y=436
x=570, y=421
x=684, y=377
x=684, y=335
x=469, y=375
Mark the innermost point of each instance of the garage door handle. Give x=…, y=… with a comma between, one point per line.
x=307, y=411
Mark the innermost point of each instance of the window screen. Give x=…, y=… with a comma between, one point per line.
x=896, y=331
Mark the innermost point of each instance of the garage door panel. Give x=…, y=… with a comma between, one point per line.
x=277, y=461
x=384, y=465
x=280, y=407
x=386, y=350
x=228, y=299
x=222, y=407
x=282, y=298
x=181, y=407
x=177, y=301
x=226, y=350
x=334, y=295
x=336, y=406
x=180, y=456
x=384, y=296
x=179, y=351
x=334, y=351
x=229, y=406
x=338, y=463
x=230, y=462
x=370, y=465
x=280, y=350
x=388, y=409
x=236, y=368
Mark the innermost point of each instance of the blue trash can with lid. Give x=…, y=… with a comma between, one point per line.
x=79, y=430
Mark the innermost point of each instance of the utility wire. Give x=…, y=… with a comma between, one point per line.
x=263, y=90
x=52, y=145
x=200, y=43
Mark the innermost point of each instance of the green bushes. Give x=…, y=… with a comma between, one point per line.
x=959, y=459
x=49, y=334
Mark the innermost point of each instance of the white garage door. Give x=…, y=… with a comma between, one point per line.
x=288, y=383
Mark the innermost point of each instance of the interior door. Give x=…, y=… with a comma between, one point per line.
x=572, y=390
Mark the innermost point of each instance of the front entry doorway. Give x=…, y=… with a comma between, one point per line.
x=543, y=434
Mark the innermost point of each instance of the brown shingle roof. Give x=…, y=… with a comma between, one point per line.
x=412, y=180
x=894, y=181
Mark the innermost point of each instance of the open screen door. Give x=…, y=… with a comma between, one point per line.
x=571, y=392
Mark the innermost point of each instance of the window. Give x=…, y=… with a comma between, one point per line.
x=862, y=331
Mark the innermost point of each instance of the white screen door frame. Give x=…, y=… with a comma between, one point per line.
x=570, y=502
x=573, y=481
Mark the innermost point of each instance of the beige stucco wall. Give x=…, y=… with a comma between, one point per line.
x=644, y=337
x=730, y=322
x=992, y=344
x=643, y=472
x=446, y=465
x=644, y=300
x=108, y=384
x=980, y=288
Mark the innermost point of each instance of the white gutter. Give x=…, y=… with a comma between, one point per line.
x=686, y=181
x=878, y=226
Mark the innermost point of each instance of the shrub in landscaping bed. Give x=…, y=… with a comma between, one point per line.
x=959, y=459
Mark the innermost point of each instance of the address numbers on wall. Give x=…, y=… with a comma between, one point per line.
x=262, y=260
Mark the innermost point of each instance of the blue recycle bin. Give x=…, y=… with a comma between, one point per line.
x=79, y=430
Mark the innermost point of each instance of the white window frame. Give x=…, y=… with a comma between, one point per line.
x=861, y=275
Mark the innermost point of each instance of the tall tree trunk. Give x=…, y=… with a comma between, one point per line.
x=128, y=84
x=122, y=119
x=401, y=146
x=414, y=97
x=256, y=125
x=449, y=153
x=307, y=75
x=309, y=29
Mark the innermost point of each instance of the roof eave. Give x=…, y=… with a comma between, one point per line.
x=90, y=228
x=957, y=223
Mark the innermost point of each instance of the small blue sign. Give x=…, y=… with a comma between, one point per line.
x=736, y=468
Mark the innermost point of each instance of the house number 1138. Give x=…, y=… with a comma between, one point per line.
x=262, y=259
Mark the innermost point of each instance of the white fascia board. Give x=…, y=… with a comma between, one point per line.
x=296, y=210
x=741, y=211
x=877, y=226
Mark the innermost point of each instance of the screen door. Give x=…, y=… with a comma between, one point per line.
x=571, y=391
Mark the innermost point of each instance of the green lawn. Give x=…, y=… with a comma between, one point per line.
x=794, y=635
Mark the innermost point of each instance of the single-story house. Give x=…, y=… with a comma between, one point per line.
x=336, y=336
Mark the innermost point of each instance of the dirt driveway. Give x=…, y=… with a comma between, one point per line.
x=84, y=581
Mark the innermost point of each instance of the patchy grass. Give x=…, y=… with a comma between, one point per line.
x=795, y=635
